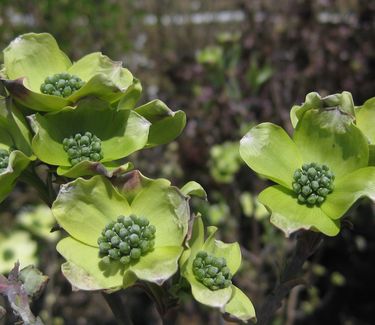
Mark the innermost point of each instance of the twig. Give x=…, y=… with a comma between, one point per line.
x=115, y=302
x=307, y=243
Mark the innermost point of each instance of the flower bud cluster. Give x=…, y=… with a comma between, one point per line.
x=126, y=240
x=212, y=271
x=83, y=147
x=4, y=159
x=312, y=183
x=61, y=84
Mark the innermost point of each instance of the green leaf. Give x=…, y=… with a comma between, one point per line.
x=269, y=151
x=85, y=269
x=290, y=216
x=348, y=189
x=166, y=124
x=343, y=149
x=193, y=188
x=84, y=207
x=18, y=162
x=34, y=57
x=121, y=132
x=167, y=209
x=365, y=119
x=158, y=265
x=240, y=306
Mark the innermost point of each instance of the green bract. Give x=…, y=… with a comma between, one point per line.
x=365, y=119
x=322, y=138
x=338, y=102
x=84, y=208
x=208, y=265
x=15, y=148
x=166, y=124
x=86, y=139
x=32, y=58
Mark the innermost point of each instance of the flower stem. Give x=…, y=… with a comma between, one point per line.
x=307, y=244
x=115, y=302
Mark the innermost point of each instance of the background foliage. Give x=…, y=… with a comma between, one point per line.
x=228, y=65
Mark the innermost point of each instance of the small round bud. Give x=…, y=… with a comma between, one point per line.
x=123, y=232
x=127, y=222
x=297, y=187
x=135, y=253
x=114, y=253
x=200, y=274
x=312, y=183
x=202, y=254
x=197, y=262
x=134, y=239
x=136, y=228
x=104, y=247
x=109, y=234
x=124, y=247
x=208, y=282
x=125, y=260
x=312, y=198
x=311, y=172
x=212, y=271
x=115, y=240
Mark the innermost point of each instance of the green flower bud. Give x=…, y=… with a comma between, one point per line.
x=125, y=238
x=4, y=160
x=127, y=222
x=134, y=239
x=135, y=253
x=81, y=147
x=144, y=246
x=202, y=254
x=104, y=247
x=115, y=240
x=219, y=280
x=200, y=274
x=306, y=190
x=197, y=262
x=136, y=228
x=143, y=222
x=123, y=233
x=312, y=183
x=208, y=282
x=109, y=234
x=61, y=84
x=114, y=253
x=125, y=260
x=124, y=247
x=211, y=271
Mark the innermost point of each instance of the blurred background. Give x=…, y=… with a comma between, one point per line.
x=228, y=65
